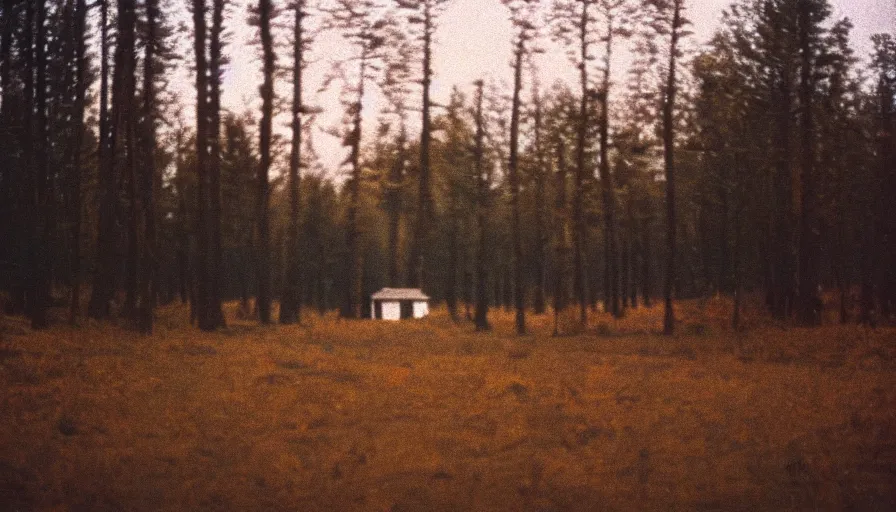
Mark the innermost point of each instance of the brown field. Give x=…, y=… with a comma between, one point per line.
x=428, y=415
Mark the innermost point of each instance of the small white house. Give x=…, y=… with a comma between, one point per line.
x=399, y=303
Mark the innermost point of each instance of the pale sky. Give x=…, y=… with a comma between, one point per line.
x=473, y=41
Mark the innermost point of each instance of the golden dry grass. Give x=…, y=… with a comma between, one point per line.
x=428, y=415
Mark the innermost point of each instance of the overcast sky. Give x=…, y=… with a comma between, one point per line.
x=473, y=41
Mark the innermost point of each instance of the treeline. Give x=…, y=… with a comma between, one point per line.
x=763, y=161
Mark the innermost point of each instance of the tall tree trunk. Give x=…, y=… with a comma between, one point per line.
x=560, y=205
x=417, y=276
x=541, y=239
x=669, y=160
x=80, y=36
x=482, y=193
x=353, y=301
x=267, y=111
x=290, y=307
x=513, y=168
x=104, y=273
x=214, y=169
x=10, y=176
x=40, y=285
x=810, y=302
x=611, y=241
x=123, y=99
x=578, y=217
x=28, y=170
x=201, y=265
x=396, y=176
x=149, y=262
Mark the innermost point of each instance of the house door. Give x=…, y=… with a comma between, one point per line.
x=377, y=310
x=407, y=309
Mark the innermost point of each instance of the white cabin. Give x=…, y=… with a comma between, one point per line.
x=398, y=304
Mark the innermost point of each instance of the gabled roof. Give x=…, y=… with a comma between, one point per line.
x=400, y=294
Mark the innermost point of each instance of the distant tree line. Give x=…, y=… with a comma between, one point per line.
x=763, y=162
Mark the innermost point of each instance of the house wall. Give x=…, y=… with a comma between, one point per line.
x=391, y=310
x=421, y=309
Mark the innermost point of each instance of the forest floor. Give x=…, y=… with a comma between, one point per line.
x=428, y=415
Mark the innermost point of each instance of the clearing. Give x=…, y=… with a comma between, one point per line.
x=428, y=415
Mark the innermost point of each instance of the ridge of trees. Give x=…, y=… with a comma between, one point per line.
x=566, y=190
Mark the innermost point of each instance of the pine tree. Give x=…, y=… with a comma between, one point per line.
x=290, y=307
x=422, y=19
x=668, y=21
x=573, y=22
x=265, y=13
x=483, y=178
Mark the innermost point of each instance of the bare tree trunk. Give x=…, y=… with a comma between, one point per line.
x=80, y=35
x=43, y=184
x=291, y=304
x=353, y=300
x=453, y=257
x=149, y=264
x=513, y=167
x=214, y=169
x=417, y=276
x=267, y=111
x=104, y=274
x=669, y=160
x=396, y=176
x=810, y=302
x=611, y=241
x=541, y=238
x=482, y=193
x=560, y=297
x=578, y=218
x=636, y=252
x=201, y=264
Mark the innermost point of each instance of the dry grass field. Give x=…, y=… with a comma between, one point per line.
x=428, y=415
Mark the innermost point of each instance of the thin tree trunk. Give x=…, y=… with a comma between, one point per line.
x=418, y=256
x=736, y=314
x=10, y=176
x=290, y=307
x=267, y=111
x=482, y=193
x=513, y=168
x=669, y=160
x=149, y=263
x=560, y=297
x=636, y=252
x=201, y=264
x=104, y=274
x=453, y=248
x=810, y=302
x=396, y=176
x=579, y=192
x=214, y=169
x=353, y=300
x=80, y=35
x=646, y=261
x=541, y=242
x=611, y=242
x=40, y=285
